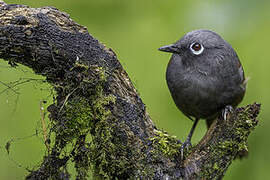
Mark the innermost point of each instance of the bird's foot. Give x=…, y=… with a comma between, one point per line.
x=185, y=146
x=228, y=109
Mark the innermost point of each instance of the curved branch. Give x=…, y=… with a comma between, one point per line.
x=99, y=113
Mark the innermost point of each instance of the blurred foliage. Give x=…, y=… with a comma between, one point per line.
x=135, y=29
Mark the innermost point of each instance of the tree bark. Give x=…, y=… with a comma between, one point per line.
x=98, y=122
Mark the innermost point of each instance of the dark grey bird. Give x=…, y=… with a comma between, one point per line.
x=205, y=77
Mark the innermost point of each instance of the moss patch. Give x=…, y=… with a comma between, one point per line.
x=82, y=111
x=168, y=145
x=232, y=144
x=79, y=114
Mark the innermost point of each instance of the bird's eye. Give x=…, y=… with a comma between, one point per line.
x=196, y=48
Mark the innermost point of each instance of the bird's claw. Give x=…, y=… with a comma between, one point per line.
x=228, y=109
x=184, y=146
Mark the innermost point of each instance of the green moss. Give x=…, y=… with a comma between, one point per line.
x=103, y=151
x=247, y=123
x=99, y=101
x=215, y=167
x=168, y=145
x=242, y=146
x=232, y=147
x=92, y=116
x=84, y=112
x=79, y=114
x=82, y=161
x=209, y=172
x=103, y=148
x=102, y=73
x=78, y=64
x=233, y=143
x=244, y=127
x=101, y=129
x=227, y=145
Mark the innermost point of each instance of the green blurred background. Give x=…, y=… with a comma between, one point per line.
x=135, y=29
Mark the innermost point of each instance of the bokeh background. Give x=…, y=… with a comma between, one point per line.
x=135, y=29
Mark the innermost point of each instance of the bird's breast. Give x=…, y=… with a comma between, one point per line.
x=195, y=92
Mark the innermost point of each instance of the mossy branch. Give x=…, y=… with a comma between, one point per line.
x=98, y=112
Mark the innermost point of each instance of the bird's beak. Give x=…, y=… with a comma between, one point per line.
x=169, y=48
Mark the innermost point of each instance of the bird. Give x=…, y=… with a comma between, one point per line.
x=205, y=77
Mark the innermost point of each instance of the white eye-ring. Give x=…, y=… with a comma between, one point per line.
x=196, y=48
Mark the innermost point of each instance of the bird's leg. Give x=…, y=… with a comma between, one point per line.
x=228, y=109
x=187, y=142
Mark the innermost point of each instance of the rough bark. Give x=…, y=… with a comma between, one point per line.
x=98, y=113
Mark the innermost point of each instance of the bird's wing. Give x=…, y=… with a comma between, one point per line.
x=242, y=74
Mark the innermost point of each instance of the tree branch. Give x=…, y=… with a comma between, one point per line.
x=98, y=113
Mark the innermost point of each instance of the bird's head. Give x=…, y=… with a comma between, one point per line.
x=198, y=43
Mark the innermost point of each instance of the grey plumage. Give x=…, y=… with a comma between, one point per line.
x=204, y=82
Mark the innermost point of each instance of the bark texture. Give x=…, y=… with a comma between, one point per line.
x=99, y=123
